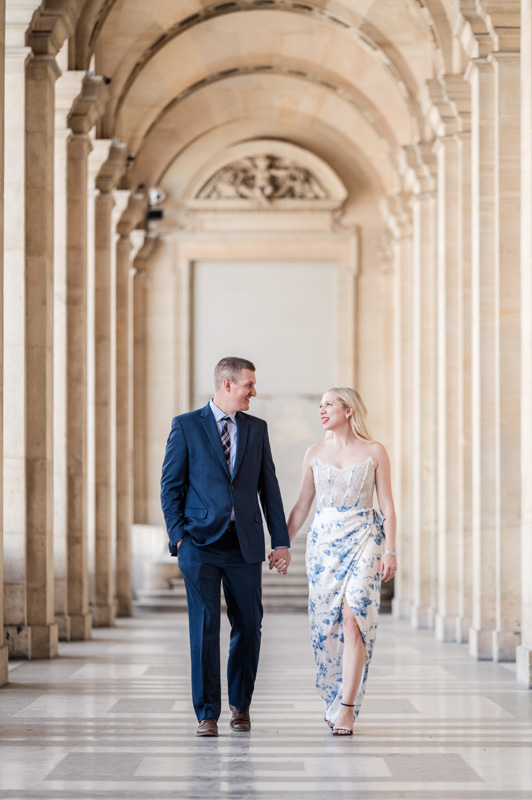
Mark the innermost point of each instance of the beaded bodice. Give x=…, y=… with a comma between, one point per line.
x=344, y=488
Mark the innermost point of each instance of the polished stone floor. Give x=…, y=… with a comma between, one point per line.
x=112, y=718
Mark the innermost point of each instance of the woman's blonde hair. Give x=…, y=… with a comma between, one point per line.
x=350, y=398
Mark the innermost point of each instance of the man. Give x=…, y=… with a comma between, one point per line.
x=218, y=462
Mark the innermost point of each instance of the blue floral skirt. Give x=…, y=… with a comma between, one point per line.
x=344, y=550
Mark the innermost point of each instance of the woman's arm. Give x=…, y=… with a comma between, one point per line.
x=299, y=512
x=383, y=485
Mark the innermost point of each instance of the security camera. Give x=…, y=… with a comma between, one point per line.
x=156, y=196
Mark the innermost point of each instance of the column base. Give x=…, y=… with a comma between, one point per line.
x=421, y=617
x=481, y=644
x=124, y=606
x=32, y=641
x=103, y=616
x=3, y=665
x=445, y=628
x=80, y=627
x=524, y=666
x=504, y=645
x=463, y=625
x=400, y=609
x=63, y=625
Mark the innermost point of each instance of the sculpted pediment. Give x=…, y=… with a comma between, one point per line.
x=264, y=178
x=265, y=175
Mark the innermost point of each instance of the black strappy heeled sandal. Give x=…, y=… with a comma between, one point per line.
x=349, y=731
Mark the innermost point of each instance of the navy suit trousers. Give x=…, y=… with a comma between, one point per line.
x=204, y=569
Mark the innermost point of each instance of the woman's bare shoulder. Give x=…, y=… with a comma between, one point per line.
x=378, y=452
x=313, y=452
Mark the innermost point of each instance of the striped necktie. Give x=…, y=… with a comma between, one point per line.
x=226, y=443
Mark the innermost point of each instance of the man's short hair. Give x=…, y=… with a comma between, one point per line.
x=231, y=367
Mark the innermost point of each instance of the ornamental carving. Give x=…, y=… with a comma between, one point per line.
x=263, y=178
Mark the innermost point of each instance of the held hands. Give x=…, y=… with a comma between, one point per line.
x=388, y=567
x=280, y=559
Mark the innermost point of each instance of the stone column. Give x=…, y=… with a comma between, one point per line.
x=127, y=247
x=484, y=390
x=42, y=73
x=524, y=651
x=398, y=218
x=3, y=647
x=465, y=573
x=97, y=157
x=506, y=64
x=28, y=514
x=106, y=217
x=18, y=17
x=85, y=110
x=66, y=89
x=420, y=174
x=449, y=384
x=453, y=102
x=139, y=378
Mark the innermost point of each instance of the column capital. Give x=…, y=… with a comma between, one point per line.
x=89, y=104
x=458, y=92
x=131, y=243
x=67, y=88
x=470, y=27
x=418, y=166
x=133, y=214
x=397, y=214
x=52, y=24
x=144, y=254
x=438, y=109
x=43, y=68
x=482, y=26
x=113, y=167
x=504, y=24
x=100, y=151
x=79, y=145
x=478, y=65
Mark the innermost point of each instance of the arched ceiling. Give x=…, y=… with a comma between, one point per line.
x=351, y=70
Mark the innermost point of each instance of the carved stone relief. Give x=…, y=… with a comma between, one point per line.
x=263, y=178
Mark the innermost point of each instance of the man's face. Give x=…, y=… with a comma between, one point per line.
x=241, y=391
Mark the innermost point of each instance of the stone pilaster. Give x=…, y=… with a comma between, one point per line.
x=33, y=38
x=66, y=89
x=453, y=102
x=140, y=279
x=419, y=170
x=127, y=247
x=484, y=390
x=443, y=117
x=97, y=157
x=491, y=40
x=86, y=109
x=398, y=219
x=465, y=574
x=107, y=214
x=449, y=384
x=18, y=17
x=524, y=650
x=506, y=73
x=42, y=73
x=3, y=647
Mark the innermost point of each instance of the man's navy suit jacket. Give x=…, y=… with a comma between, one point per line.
x=198, y=493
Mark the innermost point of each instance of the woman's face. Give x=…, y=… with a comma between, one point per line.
x=332, y=412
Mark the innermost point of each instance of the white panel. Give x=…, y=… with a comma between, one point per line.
x=283, y=317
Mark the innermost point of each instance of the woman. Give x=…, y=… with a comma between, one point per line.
x=347, y=553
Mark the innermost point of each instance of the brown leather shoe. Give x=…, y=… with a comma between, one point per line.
x=240, y=720
x=207, y=727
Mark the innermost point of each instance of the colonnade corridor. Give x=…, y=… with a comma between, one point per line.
x=113, y=718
